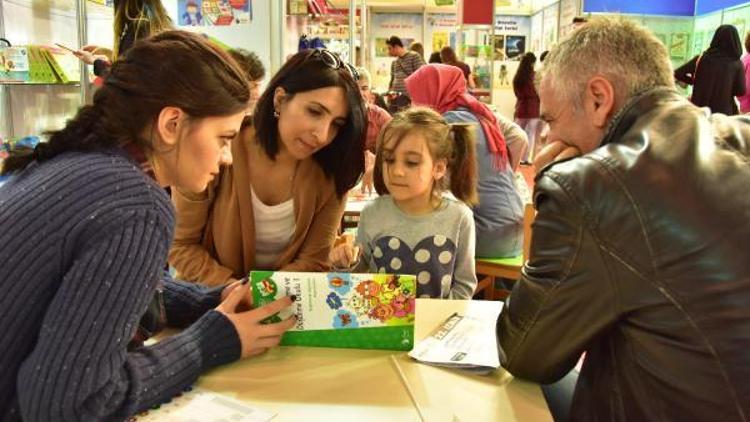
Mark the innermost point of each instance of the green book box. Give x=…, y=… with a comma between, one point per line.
x=360, y=311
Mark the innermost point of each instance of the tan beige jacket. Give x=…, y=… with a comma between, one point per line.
x=215, y=231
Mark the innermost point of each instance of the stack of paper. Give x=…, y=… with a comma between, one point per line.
x=467, y=341
x=205, y=406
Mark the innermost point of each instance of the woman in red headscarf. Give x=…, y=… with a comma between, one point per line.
x=500, y=145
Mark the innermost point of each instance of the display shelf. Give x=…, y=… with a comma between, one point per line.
x=76, y=84
x=40, y=104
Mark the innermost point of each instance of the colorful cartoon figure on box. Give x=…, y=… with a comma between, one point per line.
x=192, y=15
x=340, y=283
x=368, y=289
x=333, y=300
x=267, y=287
x=382, y=312
x=345, y=319
x=402, y=305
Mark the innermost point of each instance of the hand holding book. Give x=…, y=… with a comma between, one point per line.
x=255, y=336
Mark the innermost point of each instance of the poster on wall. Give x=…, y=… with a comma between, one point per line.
x=297, y=7
x=381, y=48
x=698, y=43
x=568, y=11
x=740, y=25
x=439, y=40
x=503, y=76
x=214, y=12
x=498, y=47
x=549, y=36
x=515, y=46
x=678, y=45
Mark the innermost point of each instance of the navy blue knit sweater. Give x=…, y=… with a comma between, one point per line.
x=83, y=241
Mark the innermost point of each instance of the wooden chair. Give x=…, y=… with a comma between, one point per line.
x=488, y=269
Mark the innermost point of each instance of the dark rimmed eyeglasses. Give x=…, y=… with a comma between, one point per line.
x=333, y=60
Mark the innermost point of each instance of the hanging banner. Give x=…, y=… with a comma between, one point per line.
x=510, y=24
x=478, y=12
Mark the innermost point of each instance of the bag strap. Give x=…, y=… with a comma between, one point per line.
x=695, y=72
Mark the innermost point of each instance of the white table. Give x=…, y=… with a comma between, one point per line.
x=321, y=384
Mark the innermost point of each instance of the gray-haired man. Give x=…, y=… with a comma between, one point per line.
x=638, y=251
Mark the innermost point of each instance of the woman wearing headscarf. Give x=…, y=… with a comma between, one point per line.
x=500, y=144
x=717, y=74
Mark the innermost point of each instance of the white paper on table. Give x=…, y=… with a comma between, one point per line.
x=467, y=341
x=205, y=406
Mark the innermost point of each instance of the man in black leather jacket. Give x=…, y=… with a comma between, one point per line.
x=638, y=251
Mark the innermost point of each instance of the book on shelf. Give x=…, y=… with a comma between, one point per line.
x=65, y=66
x=361, y=311
x=41, y=71
x=465, y=340
x=38, y=64
x=14, y=64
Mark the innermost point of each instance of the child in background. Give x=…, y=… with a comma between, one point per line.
x=377, y=118
x=412, y=228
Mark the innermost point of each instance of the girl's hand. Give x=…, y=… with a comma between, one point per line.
x=345, y=254
x=255, y=337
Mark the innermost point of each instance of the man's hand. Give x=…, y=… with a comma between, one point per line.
x=554, y=151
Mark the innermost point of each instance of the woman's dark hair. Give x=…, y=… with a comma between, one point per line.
x=726, y=42
x=435, y=57
x=747, y=42
x=343, y=159
x=448, y=56
x=249, y=62
x=525, y=72
x=173, y=68
x=418, y=48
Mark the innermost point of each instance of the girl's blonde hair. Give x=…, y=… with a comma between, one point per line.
x=148, y=17
x=452, y=142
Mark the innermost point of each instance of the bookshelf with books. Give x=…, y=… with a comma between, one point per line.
x=40, y=82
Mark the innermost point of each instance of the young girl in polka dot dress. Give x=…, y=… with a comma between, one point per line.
x=413, y=228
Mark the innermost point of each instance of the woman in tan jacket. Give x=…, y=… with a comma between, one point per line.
x=279, y=205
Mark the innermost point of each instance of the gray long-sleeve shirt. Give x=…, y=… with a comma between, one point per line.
x=438, y=248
